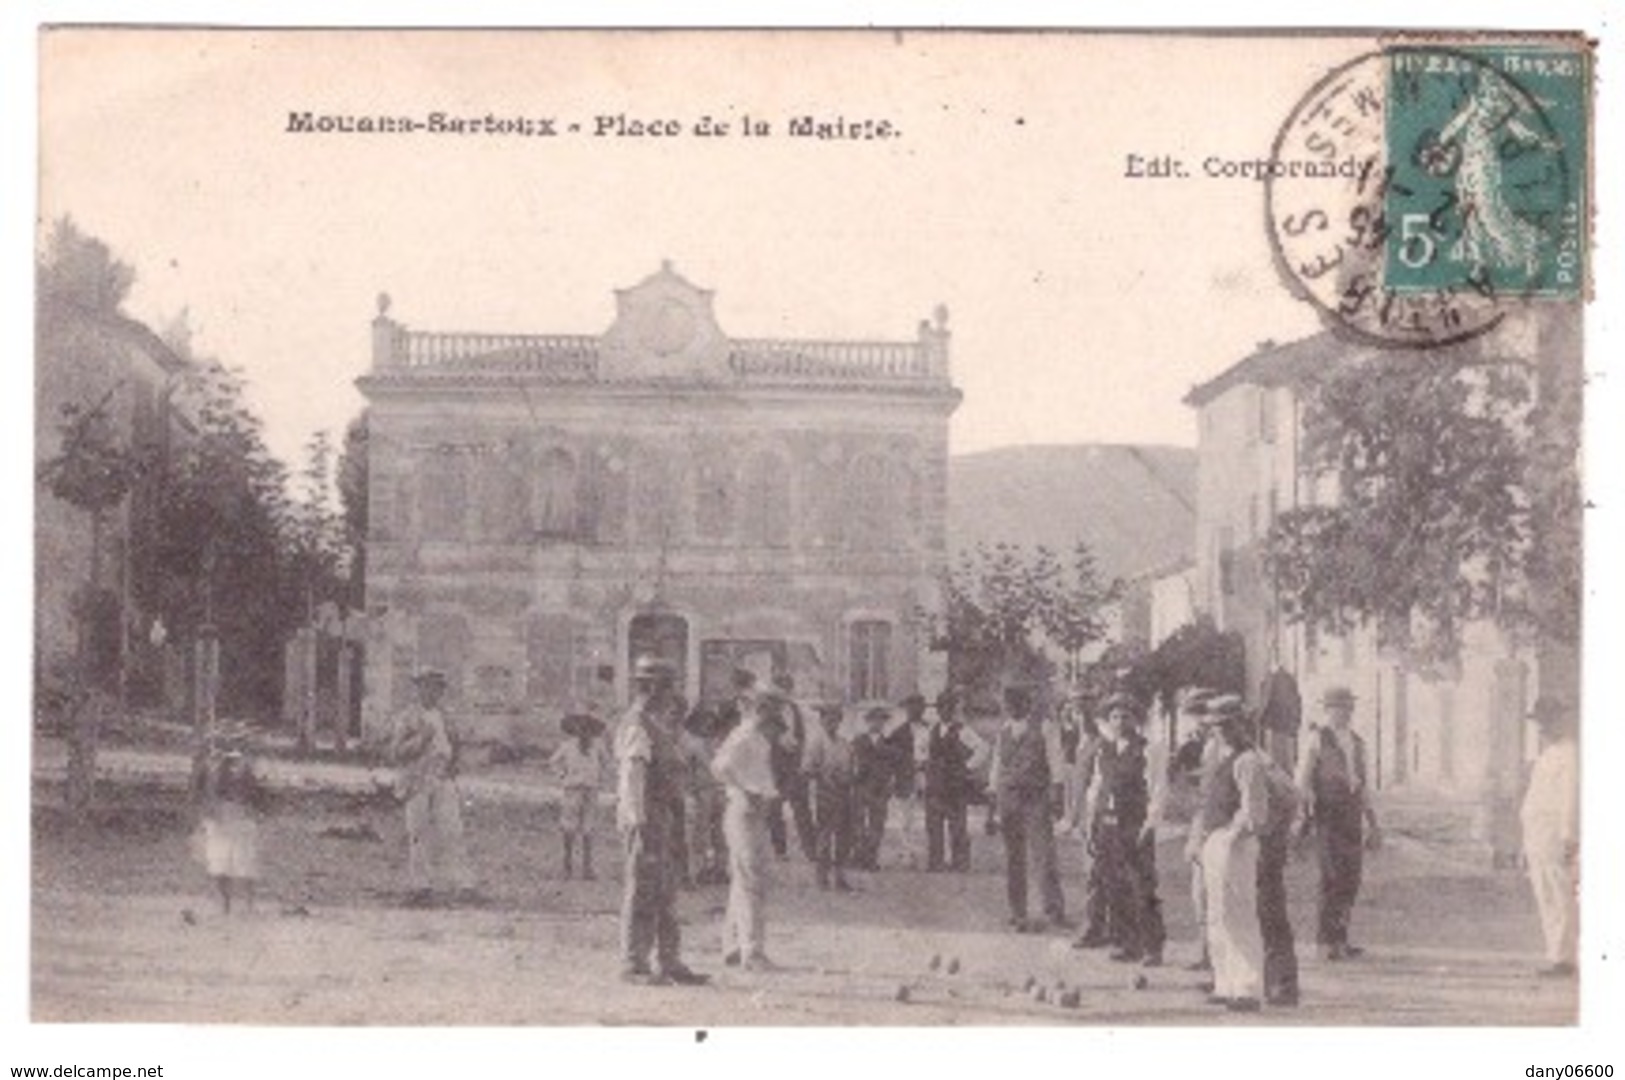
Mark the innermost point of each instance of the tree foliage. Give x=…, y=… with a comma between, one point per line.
x=81, y=269
x=1429, y=527
x=352, y=480
x=1002, y=603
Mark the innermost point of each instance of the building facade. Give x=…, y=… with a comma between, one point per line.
x=544, y=509
x=100, y=367
x=1460, y=733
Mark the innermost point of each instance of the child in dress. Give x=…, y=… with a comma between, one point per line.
x=229, y=799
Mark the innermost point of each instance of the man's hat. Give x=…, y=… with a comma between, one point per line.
x=653, y=667
x=1121, y=699
x=877, y=712
x=743, y=678
x=429, y=675
x=1223, y=708
x=1337, y=697
x=1195, y=699
x=828, y=707
x=913, y=701
x=946, y=702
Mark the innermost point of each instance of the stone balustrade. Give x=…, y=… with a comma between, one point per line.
x=525, y=351
x=836, y=361
x=576, y=357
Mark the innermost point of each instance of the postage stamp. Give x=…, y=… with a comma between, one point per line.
x=1415, y=192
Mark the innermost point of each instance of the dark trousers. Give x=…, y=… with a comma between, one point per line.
x=946, y=831
x=1029, y=851
x=1128, y=866
x=1340, y=842
x=832, y=811
x=1280, y=952
x=649, y=902
x=870, y=827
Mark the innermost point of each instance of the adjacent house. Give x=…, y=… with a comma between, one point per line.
x=1457, y=735
x=96, y=366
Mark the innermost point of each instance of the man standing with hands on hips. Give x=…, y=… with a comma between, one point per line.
x=1336, y=805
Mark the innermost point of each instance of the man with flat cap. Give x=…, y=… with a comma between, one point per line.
x=1020, y=782
x=1551, y=833
x=1336, y=804
x=650, y=815
x=874, y=771
x=424, y=751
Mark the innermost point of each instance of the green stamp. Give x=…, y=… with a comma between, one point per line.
x=1486, y=151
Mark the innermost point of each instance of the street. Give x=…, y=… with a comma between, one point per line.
x=125, y=929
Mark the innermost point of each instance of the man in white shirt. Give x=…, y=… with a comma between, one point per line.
x=744, y=764
x=422, y=748
x=1551, y=833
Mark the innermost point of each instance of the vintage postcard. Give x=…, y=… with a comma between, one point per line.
x=886, y=528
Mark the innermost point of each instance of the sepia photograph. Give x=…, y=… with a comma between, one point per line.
x=809, y=528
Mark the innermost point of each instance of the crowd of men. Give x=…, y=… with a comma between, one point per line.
x=713, y=794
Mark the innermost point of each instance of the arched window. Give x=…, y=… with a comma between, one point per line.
x=713, y=499
x=663, y=636
x=500, y=494
x=556, y=494
x=868, y=505
x=765, y=510
x=443, y=496
x=868, y=669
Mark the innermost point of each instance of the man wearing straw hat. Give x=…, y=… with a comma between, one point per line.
x=1551, y=833
x=649, y=812
x=422, y=749
x=1336, y=804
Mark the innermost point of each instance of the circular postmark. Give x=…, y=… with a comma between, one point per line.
x=1416, y=193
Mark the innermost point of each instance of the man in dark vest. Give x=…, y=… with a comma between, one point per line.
x=1331, y=782
x=649, y=812
x=787, y=774
x=947, y=789
x=1020, y=782
x=1123, y=805
x=873, y=774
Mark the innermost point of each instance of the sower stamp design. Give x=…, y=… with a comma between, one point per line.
x=1416, y=193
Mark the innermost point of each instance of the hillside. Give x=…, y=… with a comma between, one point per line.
x=1135, y=505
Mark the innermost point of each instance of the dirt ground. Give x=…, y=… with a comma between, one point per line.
x=125, y=929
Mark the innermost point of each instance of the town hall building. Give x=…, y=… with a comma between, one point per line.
x=544, y=509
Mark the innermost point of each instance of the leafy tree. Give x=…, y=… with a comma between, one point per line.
x=352, y=482
x=81, y=269
x=1072, y=612
x=225, y=537
x=1003, y=603
x=94, y=472
x=1430, y=528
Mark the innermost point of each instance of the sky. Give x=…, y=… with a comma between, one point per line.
x=1083, y=303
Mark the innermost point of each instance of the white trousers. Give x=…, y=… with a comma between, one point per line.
x=744, y=926
x=1234, y=940
x=1554, y=885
